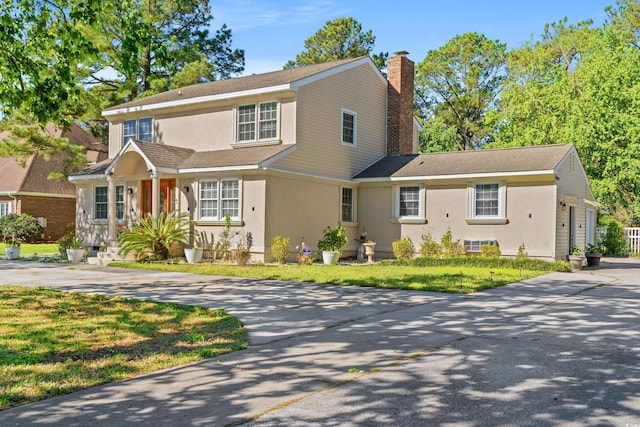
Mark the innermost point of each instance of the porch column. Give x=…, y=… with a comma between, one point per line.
x=111, y=199
x=155, y=198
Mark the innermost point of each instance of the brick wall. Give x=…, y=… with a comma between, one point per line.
x=59, y=213
x=400, y=73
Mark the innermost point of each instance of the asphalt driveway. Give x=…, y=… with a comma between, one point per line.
x=560, y=349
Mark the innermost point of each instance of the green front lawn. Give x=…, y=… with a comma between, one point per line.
x=34, y=248
x=53, y=343
x=463, y=279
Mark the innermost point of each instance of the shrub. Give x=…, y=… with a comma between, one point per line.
x=429, y=247
x=280, y=249
x=403, y=248
x=19, y=228
x=615, y=241
x=522, y=253
x=490, y=251
x=154, y=235
x=451, y=248
x=333, y=240
x=472, y=261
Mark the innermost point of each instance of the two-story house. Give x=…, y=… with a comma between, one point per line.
x=290, y=152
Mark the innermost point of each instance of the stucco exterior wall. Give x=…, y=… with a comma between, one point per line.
x=530, y=211
x=319, y=150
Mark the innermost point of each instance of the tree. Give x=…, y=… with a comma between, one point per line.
x=339, y=39
x=459, y=83
x=579, y=85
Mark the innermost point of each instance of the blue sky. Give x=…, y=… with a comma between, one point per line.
x=273, y=31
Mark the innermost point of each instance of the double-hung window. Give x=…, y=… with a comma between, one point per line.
x=409, y=199
x=101, y=201
x=140, y=129
x=487, y=203
x=258, y=122
x=5, y=208
x=347, y=205
x=349, y=127
x=219, y=198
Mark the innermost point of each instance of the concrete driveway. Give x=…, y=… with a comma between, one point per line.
x=561, y=349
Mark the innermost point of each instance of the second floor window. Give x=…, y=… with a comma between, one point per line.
x=257, y=122
x=348, y=127
x=140, y=129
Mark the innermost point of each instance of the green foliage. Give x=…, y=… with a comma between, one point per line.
x=339, y=39
x=19, y=228
x=522, y=253
x=223, y=244
x=615, y=241
x=576, y=251
x=333, y=240
x=457, y=84
x=403, y=248
x=154, y=235
x=68, y=241
x=437, y=136
x=429, y=247
x=480, y=262
x=280, y=249
x=490, y=251
x=451, y=248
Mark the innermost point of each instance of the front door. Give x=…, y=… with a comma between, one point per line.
x=165, y=200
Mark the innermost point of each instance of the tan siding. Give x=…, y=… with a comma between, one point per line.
x=573, y=188
x=319, y=150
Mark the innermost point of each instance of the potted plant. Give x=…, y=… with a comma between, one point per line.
x=331, y=244
x=593, y=254
x=195, y=253
x=75, y=251
x=15, y=229
x=576, y=257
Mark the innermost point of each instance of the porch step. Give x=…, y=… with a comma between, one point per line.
x=110, y=255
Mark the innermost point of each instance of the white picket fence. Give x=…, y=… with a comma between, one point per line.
x=633, y=237
x=631, y=233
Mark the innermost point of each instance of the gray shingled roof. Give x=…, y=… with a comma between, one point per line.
x=520, y=159
x=164, y=156
x=237, y=84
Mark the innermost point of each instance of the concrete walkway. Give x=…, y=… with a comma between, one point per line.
x=558, y=349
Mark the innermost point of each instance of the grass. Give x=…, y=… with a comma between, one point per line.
x=461, y=279
x=34, y=248
x=53, y=343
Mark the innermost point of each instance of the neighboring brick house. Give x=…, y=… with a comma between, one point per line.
x=290, y=152
x=26, y=189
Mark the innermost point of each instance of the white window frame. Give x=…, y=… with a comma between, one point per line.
x=257, y=122
x=5, y=208
x=126, y=137
x=122, y=202
x=219, y=211
x=353, y=205
x=409, y=219
x=344, y=112
x=500, y=217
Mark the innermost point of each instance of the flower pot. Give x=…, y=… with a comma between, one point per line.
x=12, y=253
x=576, y=262
x=369, y=250
x=193, y=255
x=593, y=260
x=330, y=257
x=75, y=255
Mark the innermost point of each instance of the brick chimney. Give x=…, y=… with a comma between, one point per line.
x=400, y=104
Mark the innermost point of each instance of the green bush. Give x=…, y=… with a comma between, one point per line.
x=19, y=228
x=490, y=251
x=154, y=235
x=472, y=261
x=429, y=248
x=615, y=242
x=403, y=248
x=451, y=248
x=333, y=240
x=280, y=249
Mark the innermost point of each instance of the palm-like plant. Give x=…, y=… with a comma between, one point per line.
x=154, y=235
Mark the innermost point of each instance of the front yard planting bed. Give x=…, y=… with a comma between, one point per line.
x=388, y=274
x=53, y=343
